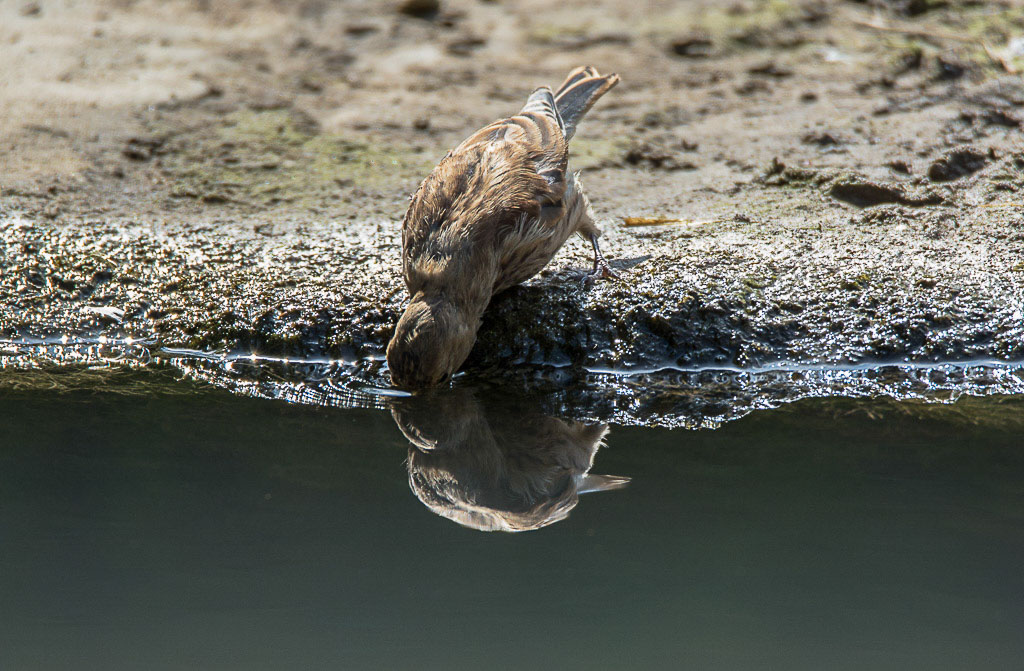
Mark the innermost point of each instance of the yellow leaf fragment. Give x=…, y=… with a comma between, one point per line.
x=660, y=221
x=650, y=221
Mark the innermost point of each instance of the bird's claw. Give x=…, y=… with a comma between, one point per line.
x=601, y=272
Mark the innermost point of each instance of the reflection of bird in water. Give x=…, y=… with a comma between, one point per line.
x=498, y=466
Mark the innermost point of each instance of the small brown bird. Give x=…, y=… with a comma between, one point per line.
x=490, y=215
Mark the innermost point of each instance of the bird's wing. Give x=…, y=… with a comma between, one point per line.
x=510, y=169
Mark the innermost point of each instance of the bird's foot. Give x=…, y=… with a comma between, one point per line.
x=601, y=271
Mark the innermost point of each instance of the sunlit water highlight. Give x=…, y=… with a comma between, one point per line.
x=692, y=398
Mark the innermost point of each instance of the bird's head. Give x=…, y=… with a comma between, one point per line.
x=432, y=339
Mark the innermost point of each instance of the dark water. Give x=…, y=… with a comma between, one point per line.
x=207, y=530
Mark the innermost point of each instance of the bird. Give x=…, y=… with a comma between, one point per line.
x=491, y=215
x=498, y=463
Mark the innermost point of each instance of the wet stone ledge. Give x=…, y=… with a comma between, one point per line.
x=906, y=287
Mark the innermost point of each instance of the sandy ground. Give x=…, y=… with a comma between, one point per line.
x=232, y=175
x=165, y=109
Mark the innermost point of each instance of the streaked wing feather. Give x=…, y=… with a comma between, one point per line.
x=509, y=169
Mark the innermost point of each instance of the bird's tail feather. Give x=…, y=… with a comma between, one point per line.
x=542, y=102
x=601, y=483
x=578, y=93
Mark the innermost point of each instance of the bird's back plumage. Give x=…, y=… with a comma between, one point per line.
x=507, y=180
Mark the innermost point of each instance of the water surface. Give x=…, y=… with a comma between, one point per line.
x=202, y=529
